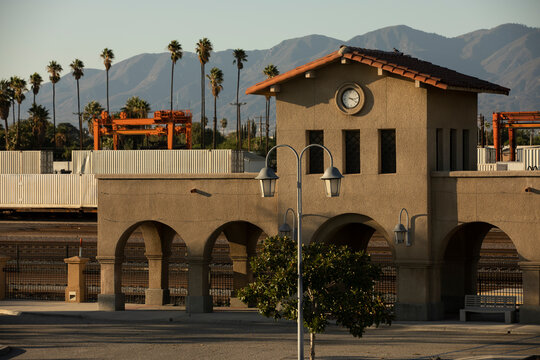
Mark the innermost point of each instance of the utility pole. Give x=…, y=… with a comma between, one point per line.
x=260, y=131
x=238, y=126
x=249, y=134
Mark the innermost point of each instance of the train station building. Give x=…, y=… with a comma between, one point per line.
x=403, y=133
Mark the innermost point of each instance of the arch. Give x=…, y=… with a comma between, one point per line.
x=154, y=231
x=341, y=228
x=463, y=257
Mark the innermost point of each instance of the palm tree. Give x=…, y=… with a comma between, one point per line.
x=175, y=49
x=108, y=56
x=38, y=116
x=35, y=81
x=5, y=103
x=223, y=125
x=216, y=79
x=270, y=71
x=203, y=48
x=77, y=66
x=54, y=69
x=136, y=107
x=92, y=110
x=19, y=87
x=240, y=57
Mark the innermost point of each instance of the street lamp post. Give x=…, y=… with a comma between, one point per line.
x=332, y=180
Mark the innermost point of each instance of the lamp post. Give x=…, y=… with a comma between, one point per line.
x=332, y=182
x=285, y=229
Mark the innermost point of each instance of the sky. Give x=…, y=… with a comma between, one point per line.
x=34, y=32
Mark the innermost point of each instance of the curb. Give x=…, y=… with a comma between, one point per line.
x=9, y=312
x=4, y=350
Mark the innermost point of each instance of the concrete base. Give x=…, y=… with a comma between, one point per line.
x=199, y=304
x=237, y=303
x=111, y=302
x=419, y=312
x=529, y=314
x=156, y=296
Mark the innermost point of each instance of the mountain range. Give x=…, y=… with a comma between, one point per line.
x=508, y=55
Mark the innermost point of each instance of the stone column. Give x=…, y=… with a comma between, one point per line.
x=158, y=280
x=111, y=297
x=199, y=299
x=240, y=277
x=76, y=286
x=418, y=291
x=3, y=288
x=529, y=312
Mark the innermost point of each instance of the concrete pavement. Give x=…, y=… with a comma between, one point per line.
x=59, y=330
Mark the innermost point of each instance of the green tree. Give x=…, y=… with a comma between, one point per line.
x=6, y=94
x=108, y=56
x=270, y=71
x=216, y=79
x=92, y=110
x=77, y=66
x=54, y=69
x=203, y=49
x=240, y=57
x=175, y=49
x=35, y=81
x=39, y=117
x=338, y=284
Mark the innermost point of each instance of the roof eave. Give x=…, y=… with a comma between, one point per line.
x=487, y=91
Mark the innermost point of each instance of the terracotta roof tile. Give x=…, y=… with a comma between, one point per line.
x=394, y=62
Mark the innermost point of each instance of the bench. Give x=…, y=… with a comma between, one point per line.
x=490, y=304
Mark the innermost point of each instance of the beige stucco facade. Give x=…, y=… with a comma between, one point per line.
x=439, y=203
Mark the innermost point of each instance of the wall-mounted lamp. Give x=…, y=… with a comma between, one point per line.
x=285, y=229
x=401, y=233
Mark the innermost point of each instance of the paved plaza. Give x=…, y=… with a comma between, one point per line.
x=57, y=330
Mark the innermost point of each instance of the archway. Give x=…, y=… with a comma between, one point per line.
x=362, y=233
x=479, y=259
x=228, y=251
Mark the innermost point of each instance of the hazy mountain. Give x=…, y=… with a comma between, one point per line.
x=508, y=55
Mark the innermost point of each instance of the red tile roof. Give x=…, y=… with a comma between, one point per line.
x=394, y=62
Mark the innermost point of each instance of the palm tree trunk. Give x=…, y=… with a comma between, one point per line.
x=13, y=111
x=18, y=124
x=108, y=111
x=203, y=126
x=238, y=134
x=80, y=119
x=311, y=346
x=215, y=123
x=172, y=80
x=34, y=98
x=54, y=115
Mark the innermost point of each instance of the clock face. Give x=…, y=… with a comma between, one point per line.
x=350, y=98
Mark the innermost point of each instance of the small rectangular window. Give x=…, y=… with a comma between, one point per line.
x=352, y=151
x=466, y=161
x=453, y=149
x=388, y=151
x=316, y=154
x=439, y=147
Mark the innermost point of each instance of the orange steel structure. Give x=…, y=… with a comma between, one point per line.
x=511, y=121
x=162, y=124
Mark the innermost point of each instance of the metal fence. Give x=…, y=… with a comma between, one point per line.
x=381, y=254
x=221, y=274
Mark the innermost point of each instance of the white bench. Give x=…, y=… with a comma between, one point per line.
x=490, y=304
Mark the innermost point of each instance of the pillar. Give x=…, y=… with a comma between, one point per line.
x=111, y=297
x=199, y=299
x=158, y=280
x=170, y=133
x=3, y=288
x=529, y=312
x=418, y=290
x=96, y=134
x=512, y=143
x=76, y=286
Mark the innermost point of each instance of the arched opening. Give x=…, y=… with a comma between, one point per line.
x=229, y=250
x=479, y=259
x=154, y=267
x=361, y=233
